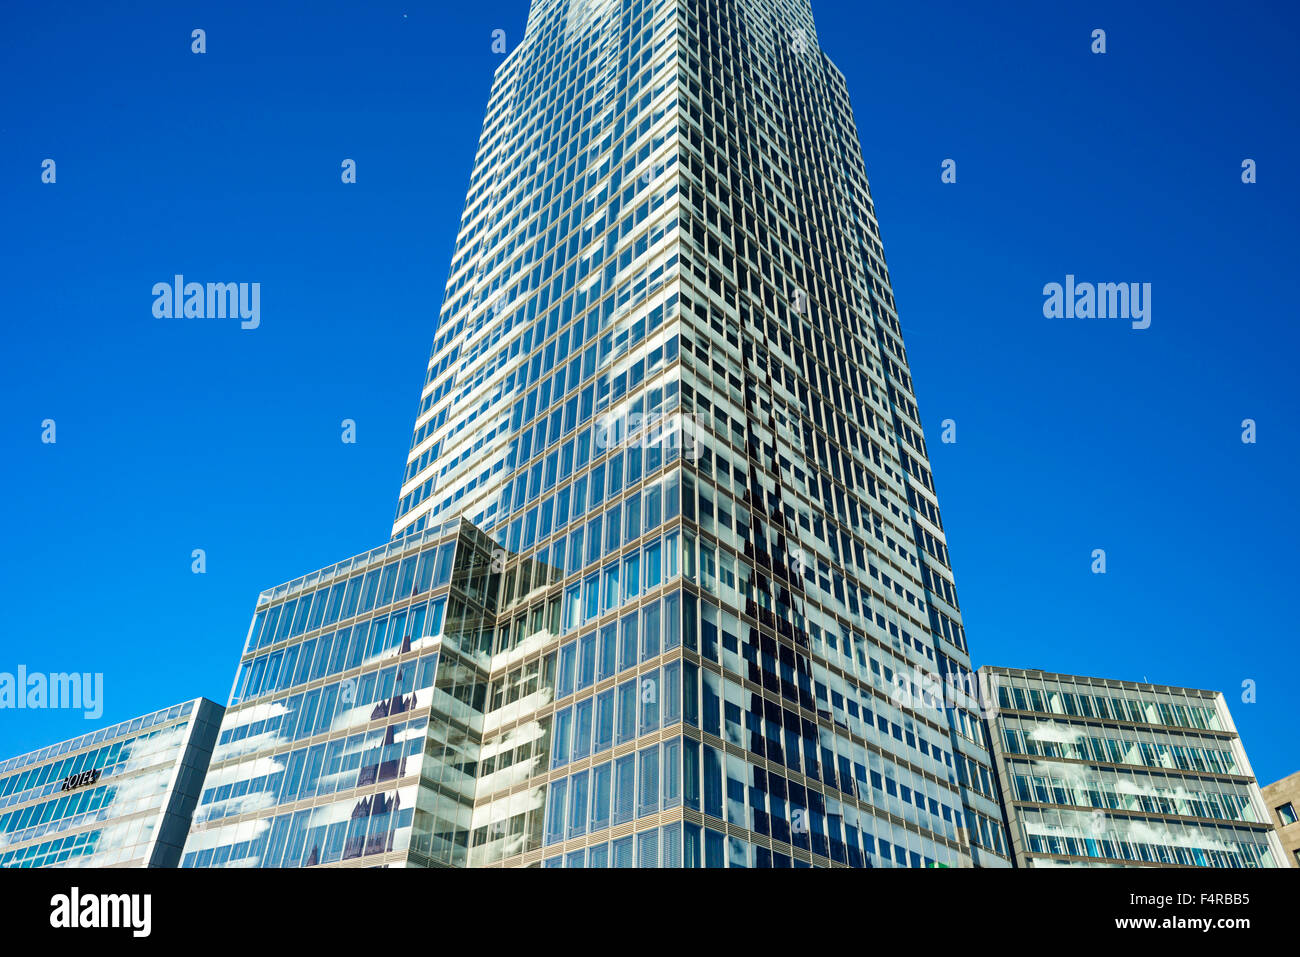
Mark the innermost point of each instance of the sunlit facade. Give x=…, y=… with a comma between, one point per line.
x=352, y=732
x=1100, y=773
x=121, y=796
x=669, y=475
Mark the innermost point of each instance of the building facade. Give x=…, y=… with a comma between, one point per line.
x=1101, y=773
x=353, y=728
x=118, y=797
x=667, y=554
x=1283, y=801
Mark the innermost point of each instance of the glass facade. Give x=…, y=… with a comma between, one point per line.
x=668, y=443
x=1115, y=774
x=353, y=725
x=118, y=797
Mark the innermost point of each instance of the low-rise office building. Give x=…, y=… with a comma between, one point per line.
x=352, y=736
x=1100, y=773
x=1283, y=801
x=121, y=796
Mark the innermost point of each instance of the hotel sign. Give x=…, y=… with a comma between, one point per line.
x=80, y=780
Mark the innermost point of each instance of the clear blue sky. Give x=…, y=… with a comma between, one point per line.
x=1072, y=435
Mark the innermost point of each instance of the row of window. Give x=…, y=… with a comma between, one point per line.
x=1144, y=711
x=352, y=828
x=1041, y=740
x=358, y=760
x=625, y=336
x=745, y=653
x=336, y=652
x=357, y=595
x=1190, y=848
x=688, y=845
x=623, y=522
x=341, y=704
x=614, y=793
x=620, y=582
x=649, y=407
x=52, y=853
x=638, y=636
x=154, y=747
x=1128, y=794
x=117, y=842
x=635, y=707
x=554, y=421
x=94, y=737
x=66, y=811
x=733, y=582
x=722, y=786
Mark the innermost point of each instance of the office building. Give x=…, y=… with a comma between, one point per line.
x=336, y=746
x=117, y=797
x=667, y=559
x=1283, y=801
x=1101, y=773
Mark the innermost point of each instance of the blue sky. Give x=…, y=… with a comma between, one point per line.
x=1072, y=435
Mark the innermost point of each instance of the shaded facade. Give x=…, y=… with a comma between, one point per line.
x=1101, y=773
x=1283, y=801
x=668, y=419
x=121, y=796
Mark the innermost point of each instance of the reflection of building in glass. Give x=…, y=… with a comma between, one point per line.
x=352, y=729
x=626, y=649
x=118, y=797
x=1106, y=773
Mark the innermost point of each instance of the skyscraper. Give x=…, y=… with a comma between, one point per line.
x=1102, y=773
x=667, y=561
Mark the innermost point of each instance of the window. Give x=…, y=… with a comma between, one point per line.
x=625, y=712
x=564, y=684
x=649, y=694
x=605, y=654
x=578, y=805
x=648, y=777
x=582, y=721
x=1286, y=814
x=563, y=729
x=600, y=795
x=586, y=660
x=555, y=811
x=624, y=789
